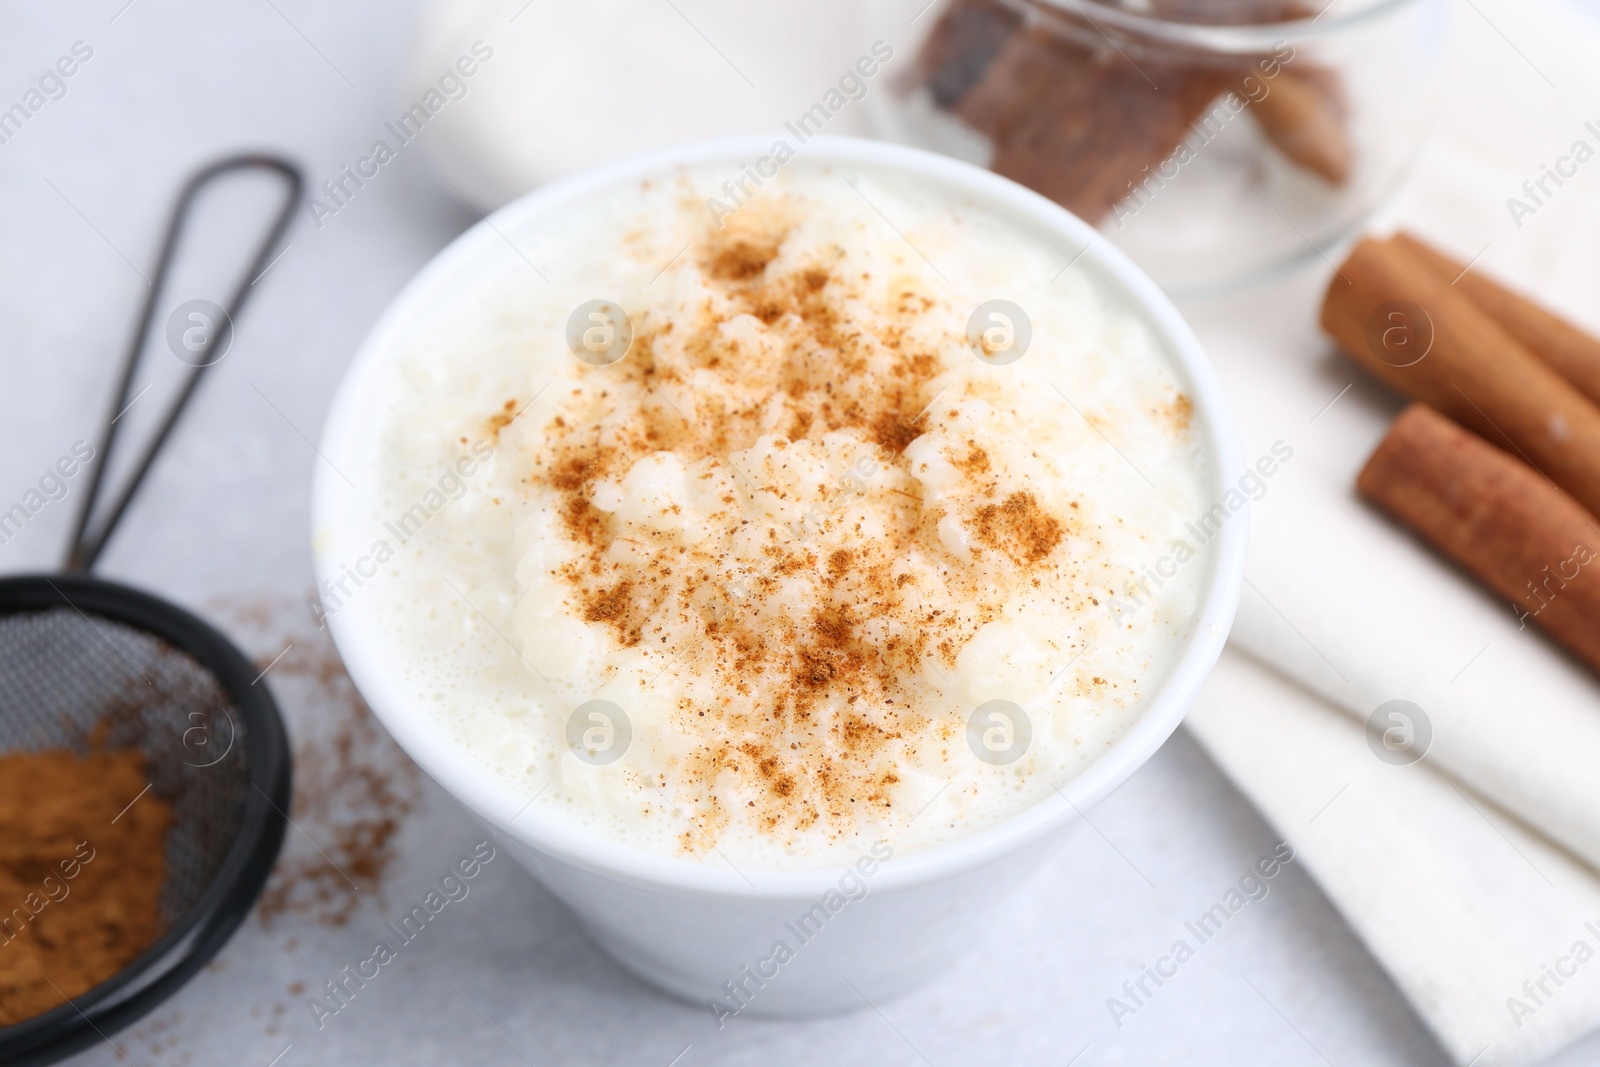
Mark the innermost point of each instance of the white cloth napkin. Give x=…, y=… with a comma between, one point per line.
x=1461, y=903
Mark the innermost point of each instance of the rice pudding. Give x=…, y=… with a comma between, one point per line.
x=761, y=535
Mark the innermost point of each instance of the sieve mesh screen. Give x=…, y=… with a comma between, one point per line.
x=73, y=680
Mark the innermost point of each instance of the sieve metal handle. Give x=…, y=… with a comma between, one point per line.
x=86, y=546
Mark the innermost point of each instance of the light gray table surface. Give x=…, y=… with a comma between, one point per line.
x=504, y=976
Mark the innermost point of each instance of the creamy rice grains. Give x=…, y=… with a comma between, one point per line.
x=800, y=570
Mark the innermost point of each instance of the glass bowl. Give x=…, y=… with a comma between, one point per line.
x=1217, y=142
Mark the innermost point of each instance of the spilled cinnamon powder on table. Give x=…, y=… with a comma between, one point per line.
x=82, y=864
x=353, y=787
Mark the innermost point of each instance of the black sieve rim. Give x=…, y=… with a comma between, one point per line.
x=198, y=934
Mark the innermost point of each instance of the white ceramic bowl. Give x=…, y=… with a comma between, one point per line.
x=697, y=928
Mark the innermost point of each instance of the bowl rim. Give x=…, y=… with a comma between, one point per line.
x=1226, y=38
x=499, y=806
x=201, y=931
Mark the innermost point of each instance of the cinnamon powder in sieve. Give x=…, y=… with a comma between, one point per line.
x=82, y=864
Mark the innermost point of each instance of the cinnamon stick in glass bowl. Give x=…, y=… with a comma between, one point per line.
x=1496, y=517
x=1081, y=124
x=1215, y=141
x=1306, y=117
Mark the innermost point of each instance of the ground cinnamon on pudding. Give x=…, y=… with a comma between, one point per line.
x=81, y=873
x=811, y=636
x=1019, y=527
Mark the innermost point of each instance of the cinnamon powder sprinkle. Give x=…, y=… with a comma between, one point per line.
x=353, y=792
x=746, y=497
x=1018, y=527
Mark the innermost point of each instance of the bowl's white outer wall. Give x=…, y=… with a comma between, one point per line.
x=689, y=925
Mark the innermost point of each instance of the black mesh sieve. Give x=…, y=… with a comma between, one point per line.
x=87, y=662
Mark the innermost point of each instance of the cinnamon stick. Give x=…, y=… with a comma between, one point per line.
x=1303, y=113
x=1496, y=517
x=1030, y=62
x=961, y=45
x=1071, y=113
x=1083, y=125
x=1230, y=12
x=1571, y=352
x=1424, y=337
